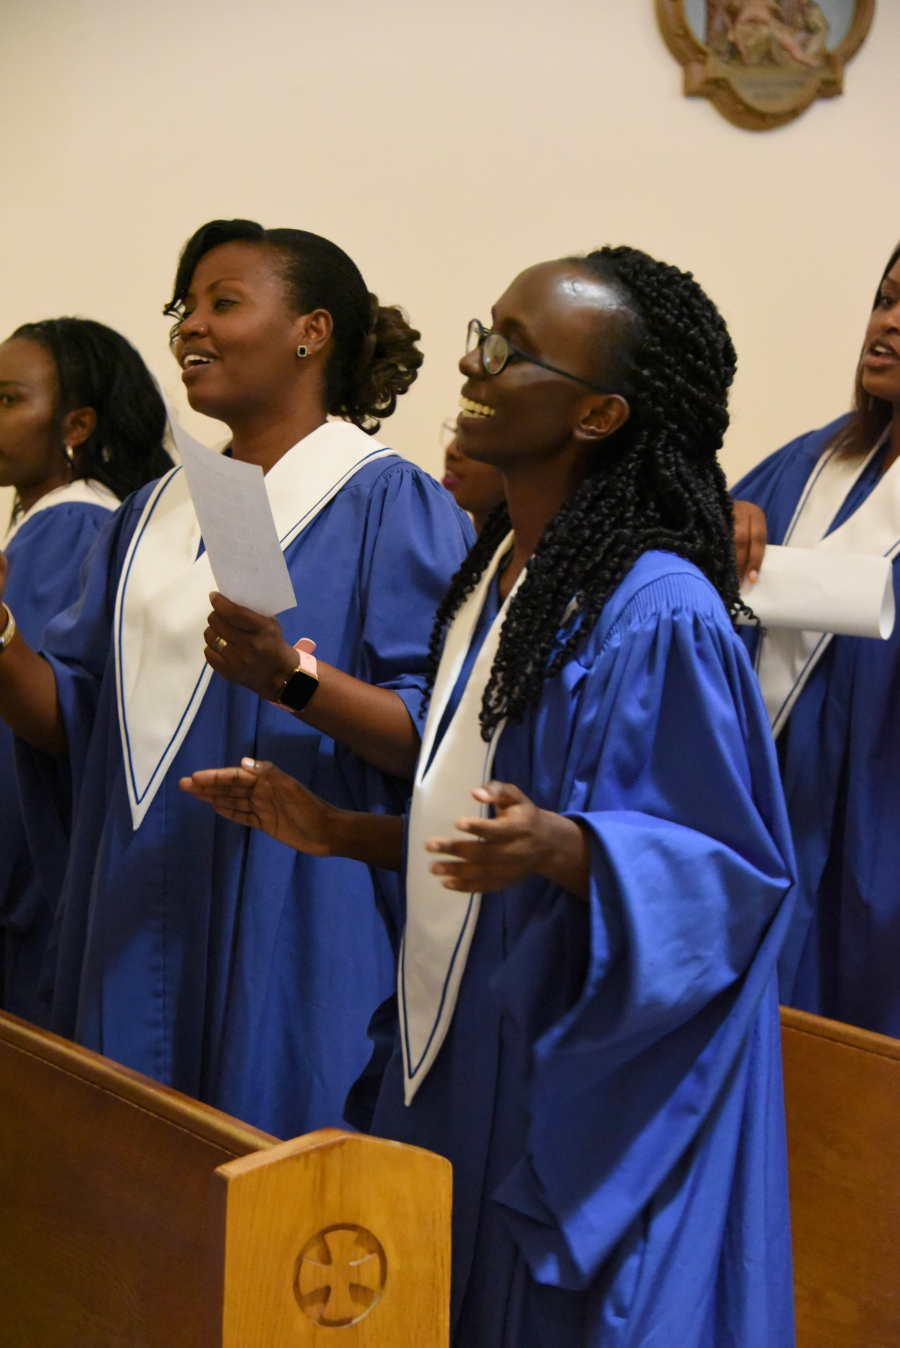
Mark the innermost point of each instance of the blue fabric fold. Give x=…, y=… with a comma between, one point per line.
x=211, y=958
x=840, y=760
x=45, y=557
x=610, y=1089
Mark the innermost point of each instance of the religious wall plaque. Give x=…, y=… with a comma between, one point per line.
x=763, y=62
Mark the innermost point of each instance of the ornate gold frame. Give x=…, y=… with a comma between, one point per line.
x=758, y=98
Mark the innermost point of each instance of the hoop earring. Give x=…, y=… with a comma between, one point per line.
x=302, y=351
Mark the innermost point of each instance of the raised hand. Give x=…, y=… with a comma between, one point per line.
x=262, y=796
x=521, y=840
x=245, y=647
x=750, y=536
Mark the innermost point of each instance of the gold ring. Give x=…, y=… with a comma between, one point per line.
x=220, y=643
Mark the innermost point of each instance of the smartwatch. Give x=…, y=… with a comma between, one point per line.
x=304, y=681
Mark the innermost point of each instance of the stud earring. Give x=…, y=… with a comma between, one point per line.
x=69, y=453
x=302, y=351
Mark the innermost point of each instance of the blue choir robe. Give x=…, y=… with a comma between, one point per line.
x=45, y=556
x=609, y=1091
x=840, y=759
x=204, y=954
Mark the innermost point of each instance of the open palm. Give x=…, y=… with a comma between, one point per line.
x=262, y=796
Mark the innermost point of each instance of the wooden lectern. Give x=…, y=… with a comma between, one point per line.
x=842, y=1091
x=133, y=1217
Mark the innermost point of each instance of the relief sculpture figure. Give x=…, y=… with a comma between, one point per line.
x=766, y=33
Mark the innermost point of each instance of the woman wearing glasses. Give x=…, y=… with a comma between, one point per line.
x=587, y=1022
x=214, y=960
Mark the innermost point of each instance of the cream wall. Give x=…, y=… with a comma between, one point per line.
x=445, y=144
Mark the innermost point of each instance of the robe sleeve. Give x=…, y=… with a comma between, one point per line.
x=416, y=537
x=77, y=644
x=775, y=484
x=676, y=784
x=45, y=560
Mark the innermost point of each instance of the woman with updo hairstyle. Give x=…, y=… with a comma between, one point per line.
x=215, y=960
x=81, y=426
x=587, y=1020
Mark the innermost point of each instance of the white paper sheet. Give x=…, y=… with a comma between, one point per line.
x=814, y=590
x=238, y=530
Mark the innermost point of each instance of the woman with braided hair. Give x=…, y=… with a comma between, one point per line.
x=586, y=1021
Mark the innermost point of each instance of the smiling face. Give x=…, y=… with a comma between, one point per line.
x=881, y=349
x=476, y=487
x=564, y=316
x=31, y=452
x=237, y=342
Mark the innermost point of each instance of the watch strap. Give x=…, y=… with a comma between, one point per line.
x=302, y=684
x=9, y=631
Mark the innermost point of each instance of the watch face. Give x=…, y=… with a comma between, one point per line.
x=298, y=690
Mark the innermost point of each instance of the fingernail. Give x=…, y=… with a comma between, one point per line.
x=753, y=577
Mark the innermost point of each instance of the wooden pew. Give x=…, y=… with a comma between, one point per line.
x=842, y=1089
x=133, y=1217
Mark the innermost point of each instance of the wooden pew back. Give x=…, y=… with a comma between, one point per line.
x=842, y=1091
x=133, y=1217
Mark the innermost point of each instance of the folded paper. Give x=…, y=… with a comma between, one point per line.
x=811, y=589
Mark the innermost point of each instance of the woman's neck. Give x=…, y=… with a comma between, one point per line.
x=265, y=440
x=534, y=494
x=29, y=496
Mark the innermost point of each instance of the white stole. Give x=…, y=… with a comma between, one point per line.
x=163, y=598
x=440, y=923
x=786, y=658
x=83, y=491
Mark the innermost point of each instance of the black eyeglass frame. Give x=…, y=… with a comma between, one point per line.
x=508, y=348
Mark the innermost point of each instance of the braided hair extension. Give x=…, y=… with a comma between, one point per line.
x=657, y=483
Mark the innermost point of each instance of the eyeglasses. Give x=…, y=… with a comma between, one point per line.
x=497, y=349
x=448, y=431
